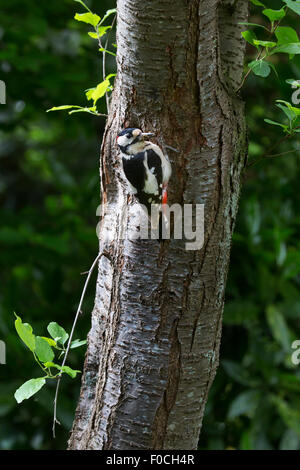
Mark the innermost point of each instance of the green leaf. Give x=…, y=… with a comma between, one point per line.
x=274, y=15
x=244, y=404
x=249, y=36
x=290, y=416
x=274, y=123
x=296, y=111
x=101, y=31
x=293, y=5
x=50, y=341
x=257, y=42
x=49, y=364
x=24, y=331
x=108, y=13
x=91, y=110
x=60, y=108
x=90, y=18
x=29, y=388
x=289, y=113
x=258, y=3
x=290, y=48
x=260, y=68
x=71, y=372
x=43, y=350
x=285, y=34
x=57, y=332
x=96, y=93
x=279, y=327
x=77, y=343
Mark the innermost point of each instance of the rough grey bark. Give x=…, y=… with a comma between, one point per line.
x=156, y=325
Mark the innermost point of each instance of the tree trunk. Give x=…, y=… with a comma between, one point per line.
x=154, y=343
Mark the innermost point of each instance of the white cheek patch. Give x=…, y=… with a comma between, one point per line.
x=122, y=140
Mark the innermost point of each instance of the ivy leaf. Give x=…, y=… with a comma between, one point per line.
x=24, y=331
x=274, y=15
x=90, y=18
x=293, y=5
x=43, y=350
x=57, y=332
x=29, y=388
x=291, y=48
x=285, y=34
x=260, y=68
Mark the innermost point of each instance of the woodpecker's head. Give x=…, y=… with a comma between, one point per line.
x=131, y=140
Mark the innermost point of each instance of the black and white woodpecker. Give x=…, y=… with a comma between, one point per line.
x=146, y=167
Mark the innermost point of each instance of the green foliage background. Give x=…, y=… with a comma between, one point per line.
x=49, y=192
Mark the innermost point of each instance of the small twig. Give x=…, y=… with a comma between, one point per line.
x=282, y=153
x=267, y=154
x=55, y=420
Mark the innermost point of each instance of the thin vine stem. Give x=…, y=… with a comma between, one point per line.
x=55, y=420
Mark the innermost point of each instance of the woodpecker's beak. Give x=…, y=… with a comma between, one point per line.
x=147, y=134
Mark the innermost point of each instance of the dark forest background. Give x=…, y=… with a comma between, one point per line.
x=49, y=193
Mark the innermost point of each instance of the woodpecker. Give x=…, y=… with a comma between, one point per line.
x=146, y=167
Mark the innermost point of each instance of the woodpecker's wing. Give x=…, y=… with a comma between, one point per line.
x=134, y=170
x=155, y=168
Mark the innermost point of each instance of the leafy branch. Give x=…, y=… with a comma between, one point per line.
x=106, y=85
x=43, y=349
x=281, y=39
